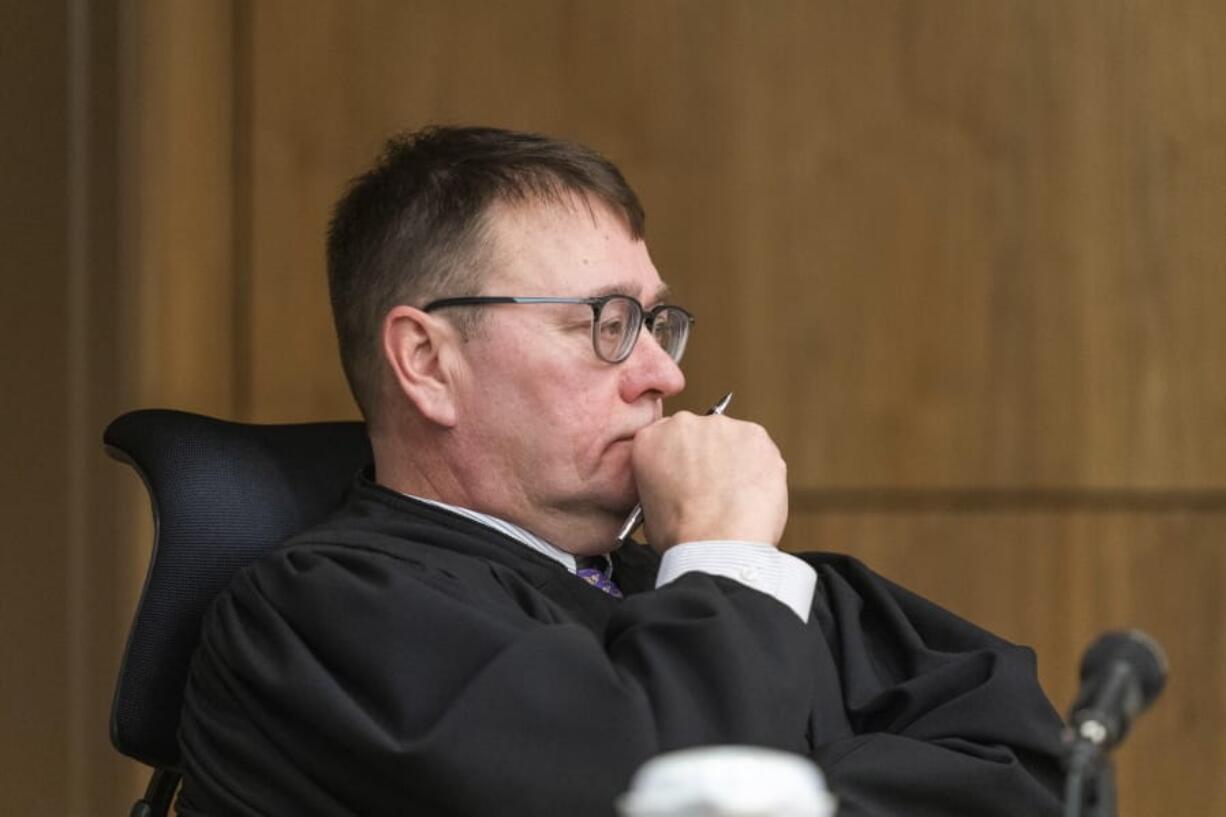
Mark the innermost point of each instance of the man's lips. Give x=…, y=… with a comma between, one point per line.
x=628, y=437
x=625, y=440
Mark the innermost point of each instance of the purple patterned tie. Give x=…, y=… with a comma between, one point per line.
x=597, y=578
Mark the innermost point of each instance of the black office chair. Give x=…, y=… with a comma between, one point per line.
x=222, y=493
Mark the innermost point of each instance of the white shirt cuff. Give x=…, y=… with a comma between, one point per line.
x=760, y=566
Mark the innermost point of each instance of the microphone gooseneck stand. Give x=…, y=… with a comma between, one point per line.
x=1089, y=787
x=1121, y=674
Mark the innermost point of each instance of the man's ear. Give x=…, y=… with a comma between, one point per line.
x=418, y=348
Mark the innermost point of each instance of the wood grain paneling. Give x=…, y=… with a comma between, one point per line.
x=964, y=261
x=177, y=161
x=1054, y=580
x=929, y=249
x=34, y=720
x=63, y=605
x=976, y=254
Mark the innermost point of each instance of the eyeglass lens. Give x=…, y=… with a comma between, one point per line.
x=617, y=329
x=671, y=330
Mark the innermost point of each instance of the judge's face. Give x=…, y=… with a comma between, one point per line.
x=549, y=422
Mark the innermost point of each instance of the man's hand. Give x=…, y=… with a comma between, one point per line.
x=709, y=477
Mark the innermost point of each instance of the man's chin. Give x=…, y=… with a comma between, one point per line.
x=616, y=507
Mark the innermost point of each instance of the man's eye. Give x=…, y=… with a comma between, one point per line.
x=611, y=329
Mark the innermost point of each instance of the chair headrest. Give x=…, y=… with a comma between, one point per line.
x=223, y=493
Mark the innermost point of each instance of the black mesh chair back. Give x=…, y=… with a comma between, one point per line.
x=223, y=493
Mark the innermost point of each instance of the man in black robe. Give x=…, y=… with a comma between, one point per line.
x=465, y=636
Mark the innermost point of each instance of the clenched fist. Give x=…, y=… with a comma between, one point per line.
x=709, y=477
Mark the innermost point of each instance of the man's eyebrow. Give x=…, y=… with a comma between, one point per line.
x=658, y=296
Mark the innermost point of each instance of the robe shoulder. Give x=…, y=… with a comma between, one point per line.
x=356, y=678
x=943, y=716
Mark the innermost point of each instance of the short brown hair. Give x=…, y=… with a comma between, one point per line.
x=411, y=229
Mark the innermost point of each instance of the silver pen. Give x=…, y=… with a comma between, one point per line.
x=636, y=516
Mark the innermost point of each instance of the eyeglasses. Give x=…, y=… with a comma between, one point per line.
x=616, y=322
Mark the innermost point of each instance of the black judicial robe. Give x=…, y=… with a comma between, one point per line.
x=399, y=659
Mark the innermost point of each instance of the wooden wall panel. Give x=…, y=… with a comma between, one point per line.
x=63, y=601
x=963, y=259
x=978, y=241
x=177, y=242
x=929, y=249
x=34, y=68
x=1054, y=580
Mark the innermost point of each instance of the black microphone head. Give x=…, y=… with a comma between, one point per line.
x=1121, y=674
x=1136, y=649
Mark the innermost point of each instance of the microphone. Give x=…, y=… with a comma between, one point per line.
x=1121, y=674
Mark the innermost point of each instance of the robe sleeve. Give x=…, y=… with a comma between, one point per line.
x=923, y=713
x=334, y=681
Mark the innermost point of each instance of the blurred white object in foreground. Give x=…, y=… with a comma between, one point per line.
x=728, y=781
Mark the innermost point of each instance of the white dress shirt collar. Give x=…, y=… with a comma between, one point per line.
x=524, y=537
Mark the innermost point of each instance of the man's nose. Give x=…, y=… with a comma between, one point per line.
x=650, y=369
